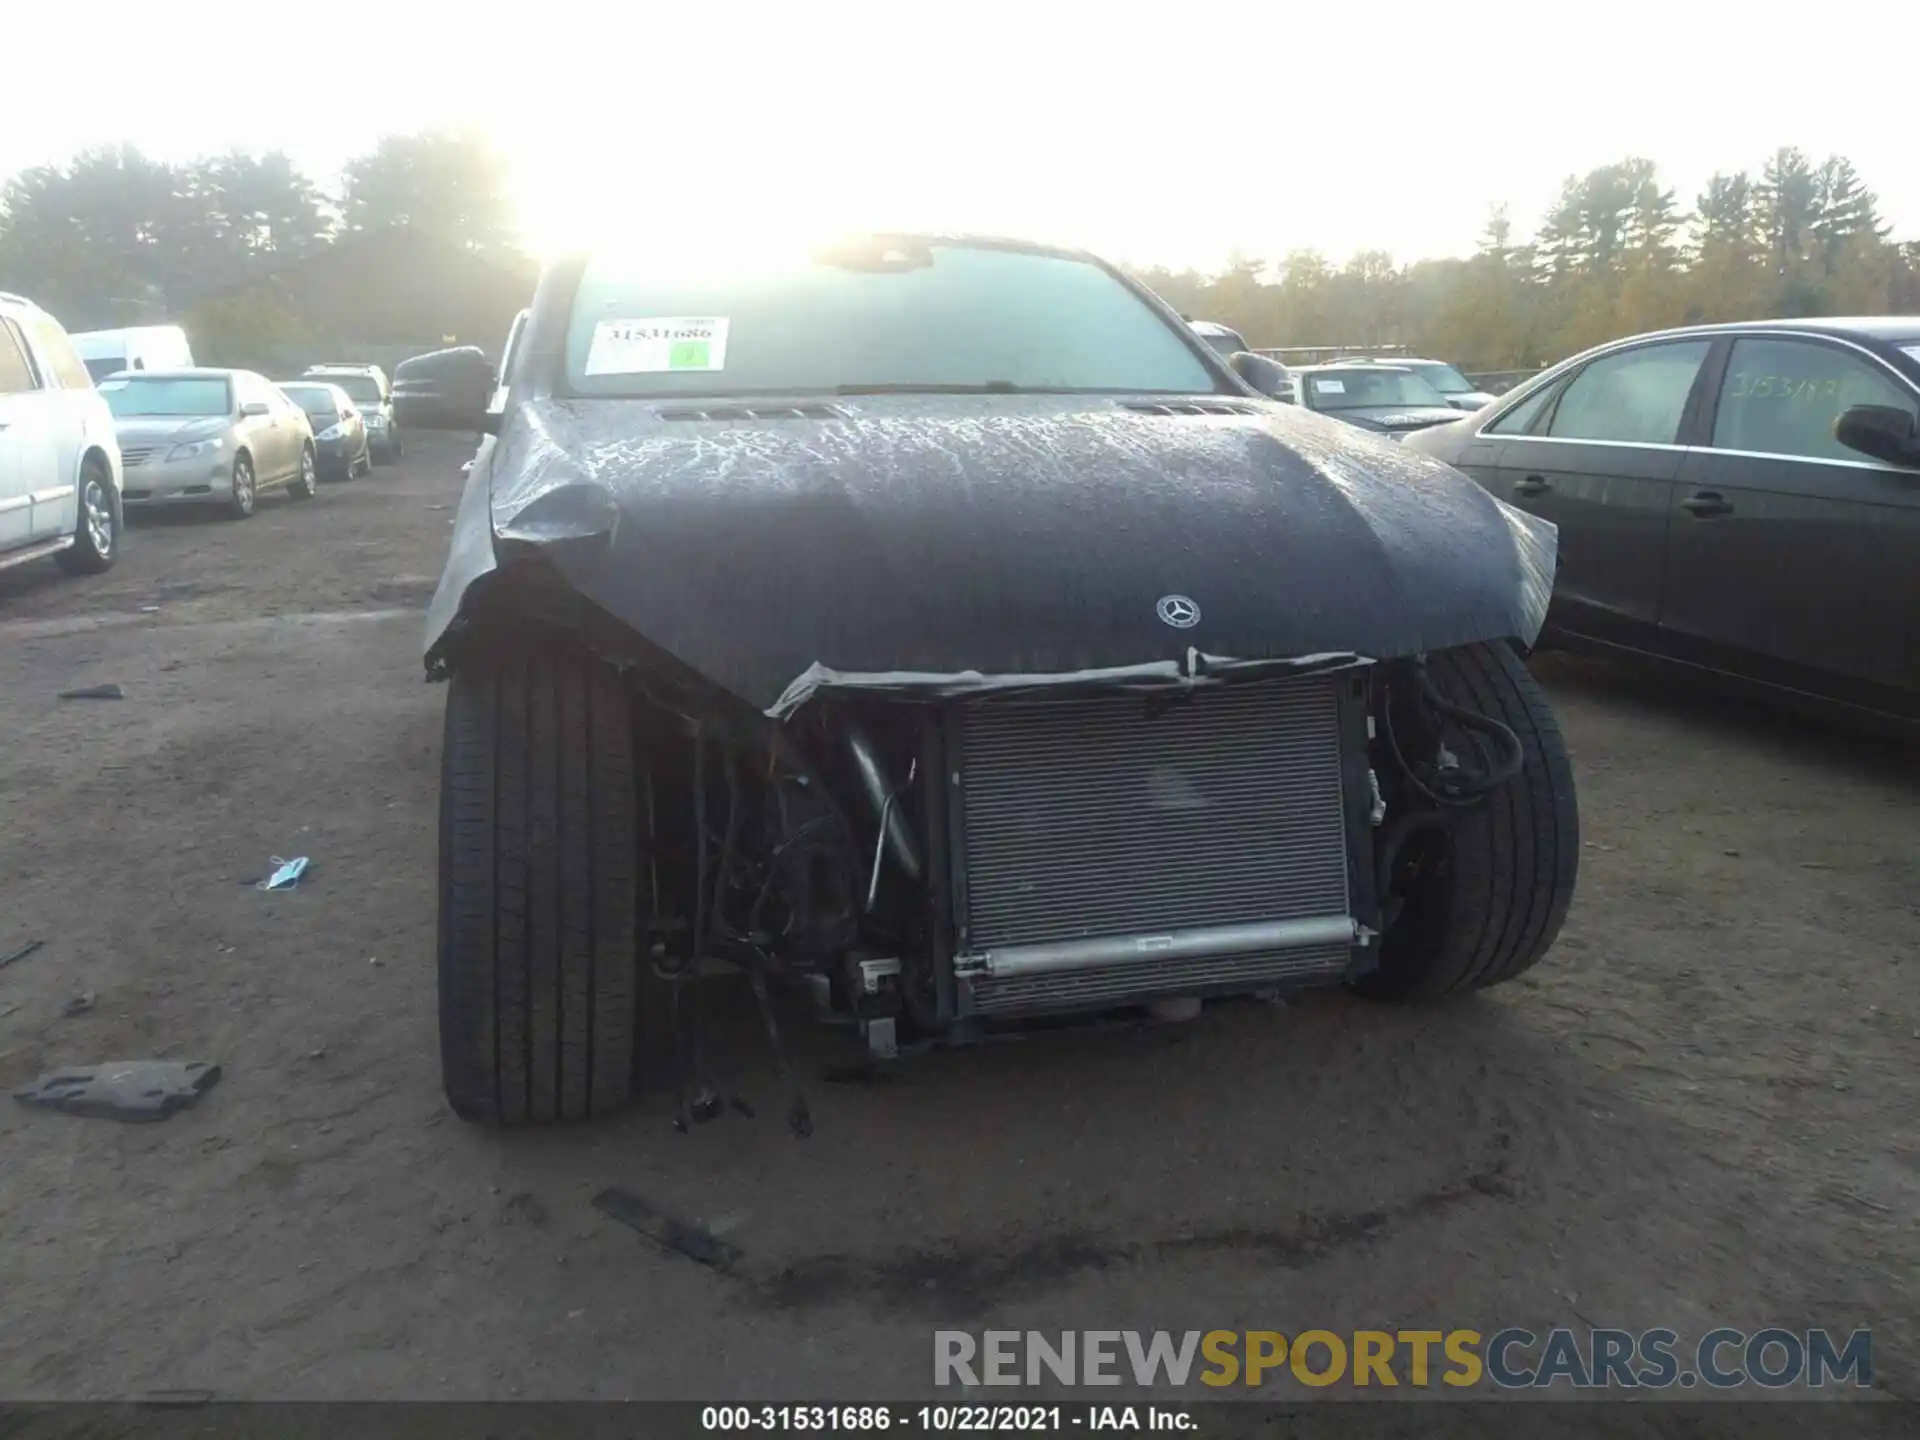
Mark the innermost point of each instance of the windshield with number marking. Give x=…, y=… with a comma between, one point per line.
x=878, y=315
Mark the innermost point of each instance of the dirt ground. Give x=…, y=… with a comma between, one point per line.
x=1703, y=1109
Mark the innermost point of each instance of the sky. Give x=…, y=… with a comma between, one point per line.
x=1152, y=133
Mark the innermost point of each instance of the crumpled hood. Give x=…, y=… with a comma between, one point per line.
x=160, y=429
x=997, y=534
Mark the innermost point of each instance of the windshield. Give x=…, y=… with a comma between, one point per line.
x=1362, y=389
x=358, y=387
x=318, y=401
x=100, y=369
x=1445, y=379
x=873, y=316
x=160, y=395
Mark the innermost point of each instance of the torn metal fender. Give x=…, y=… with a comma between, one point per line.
x=470, y=554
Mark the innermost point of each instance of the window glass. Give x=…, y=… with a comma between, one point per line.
x=1636, y=396
x=879, y=313
x=1519, y=420
x=322, y=403
x=112, y=365
x=1370, y=389
x=58, y=352
x=1444, y=378
x=360, y=387
x=184, y=395
x=1781, y=397
x=16, y=375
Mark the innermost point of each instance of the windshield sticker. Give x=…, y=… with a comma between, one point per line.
x=1330, y=387
x=660, y=345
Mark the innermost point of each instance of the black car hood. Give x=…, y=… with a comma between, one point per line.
x=1397, y=417
x=907, y=542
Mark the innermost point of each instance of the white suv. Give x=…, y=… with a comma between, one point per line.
x=59, y=460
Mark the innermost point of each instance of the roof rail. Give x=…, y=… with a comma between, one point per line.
x=16, y=299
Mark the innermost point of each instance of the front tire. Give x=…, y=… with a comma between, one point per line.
x=96, y=533
x=539, y=890
x=1489, y=895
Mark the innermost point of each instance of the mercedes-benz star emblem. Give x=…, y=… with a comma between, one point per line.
x=1178, y=611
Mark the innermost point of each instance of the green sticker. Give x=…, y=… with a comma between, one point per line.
x=689, y=355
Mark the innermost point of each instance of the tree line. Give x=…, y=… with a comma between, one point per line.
x=118, y=238
x=1616, y=255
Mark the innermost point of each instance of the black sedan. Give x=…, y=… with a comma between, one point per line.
x=1009, y=656
x=1739, y=498
x=339, y=433
x=1389, y=400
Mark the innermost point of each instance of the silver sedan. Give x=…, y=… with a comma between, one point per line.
x=201, y=436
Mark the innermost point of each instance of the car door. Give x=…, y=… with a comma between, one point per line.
x=1793, y=558
x=294, y=425
x=16, y=413
x=267, y=433
x=35, y=419
x=65, y=389
x=1598, y=455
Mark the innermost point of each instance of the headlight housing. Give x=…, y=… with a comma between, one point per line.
x=375, y=420
x=191, y=448
x=332, y=432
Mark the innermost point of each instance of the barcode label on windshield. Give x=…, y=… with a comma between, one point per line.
x=658, y=345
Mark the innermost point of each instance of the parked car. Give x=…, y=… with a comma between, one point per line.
x=429, y=389
x=1274, y=380
x=340, y=444
x=372, y=395
x=1740, y=498
x=1389, y=400
x=59, y=459
x=1009, y=656
x=1453, y=387
x=1223, y=338
x=142, y=347
x=198, y=437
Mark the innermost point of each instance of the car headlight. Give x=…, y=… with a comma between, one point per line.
x=332, y=432
x=191, y=448
x=376, y=420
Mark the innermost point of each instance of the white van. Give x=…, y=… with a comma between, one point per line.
x=144, y=347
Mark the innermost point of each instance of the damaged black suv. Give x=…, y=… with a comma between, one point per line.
x=940, y=624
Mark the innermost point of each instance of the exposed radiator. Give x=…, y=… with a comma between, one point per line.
x=1205, y=835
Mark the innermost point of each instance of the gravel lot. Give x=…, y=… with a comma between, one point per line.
x=1703, y=1109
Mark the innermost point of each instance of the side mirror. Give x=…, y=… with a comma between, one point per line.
x=443, y=390
x=1269, y=377
x=253, y=408
x=1882, y=431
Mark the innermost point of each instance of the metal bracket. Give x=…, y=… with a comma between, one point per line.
x=882, y=1040
x=872, y=972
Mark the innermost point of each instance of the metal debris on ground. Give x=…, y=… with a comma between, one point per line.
x=141, y=1091
x=78, y=1004
x=21, y=953
x=95, y=692
x=696, y=1242
x=285, y=874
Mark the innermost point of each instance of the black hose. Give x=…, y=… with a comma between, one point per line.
x=1461, y=789
x=1486, y=724
x=799, y=1117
